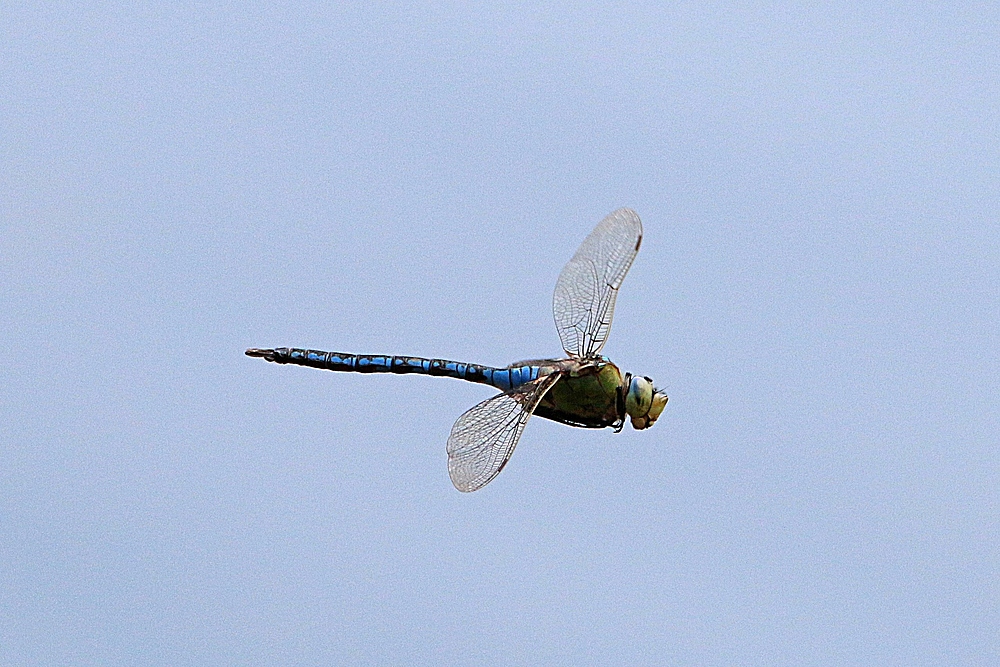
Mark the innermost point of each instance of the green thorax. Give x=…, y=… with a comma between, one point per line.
x=590, y=396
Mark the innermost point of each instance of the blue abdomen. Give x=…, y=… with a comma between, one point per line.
x=501, y=378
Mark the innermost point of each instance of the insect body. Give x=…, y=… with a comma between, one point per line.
x=584, y=389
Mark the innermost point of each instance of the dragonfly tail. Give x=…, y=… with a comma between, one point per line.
x=501, y=378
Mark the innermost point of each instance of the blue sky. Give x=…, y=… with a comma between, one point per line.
x=817, y=292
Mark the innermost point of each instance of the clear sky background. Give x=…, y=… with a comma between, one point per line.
x=818, y=292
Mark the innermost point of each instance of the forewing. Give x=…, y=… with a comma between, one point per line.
x=584, y=300
x=483, y=438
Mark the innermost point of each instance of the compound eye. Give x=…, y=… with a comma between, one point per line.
x=639, y=397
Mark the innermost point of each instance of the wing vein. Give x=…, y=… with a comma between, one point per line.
x=588, y=285
x=484, y=437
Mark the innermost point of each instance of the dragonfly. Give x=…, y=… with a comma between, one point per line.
x=583, y=389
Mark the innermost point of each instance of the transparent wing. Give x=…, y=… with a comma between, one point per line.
x=584, y=300
x=483, y=438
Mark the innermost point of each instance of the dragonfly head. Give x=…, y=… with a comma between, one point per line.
x=643, y=402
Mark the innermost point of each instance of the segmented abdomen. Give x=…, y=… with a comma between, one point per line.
x=501, y=378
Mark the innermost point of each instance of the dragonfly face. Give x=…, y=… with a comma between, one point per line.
x=643, y=402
